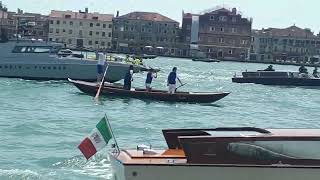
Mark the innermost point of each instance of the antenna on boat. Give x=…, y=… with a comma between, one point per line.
x=148, y=137
x=114, y=138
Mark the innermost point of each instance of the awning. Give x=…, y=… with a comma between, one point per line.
x=148, y=47
x=160, y=47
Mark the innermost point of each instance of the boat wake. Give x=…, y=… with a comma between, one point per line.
x=19, y=174
x=97, y=167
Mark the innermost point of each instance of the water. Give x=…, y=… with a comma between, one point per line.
x=42, y=123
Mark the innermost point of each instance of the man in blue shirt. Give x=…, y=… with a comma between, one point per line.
x=171, y=83
x=149, y=79
x=128, y=79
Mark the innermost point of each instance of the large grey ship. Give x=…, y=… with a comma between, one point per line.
x=35, y=60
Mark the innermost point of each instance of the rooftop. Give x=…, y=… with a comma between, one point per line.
x=292, y=31
x=147, y=16
x=80, y=15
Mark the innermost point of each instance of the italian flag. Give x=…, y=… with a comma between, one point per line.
x=98, y=139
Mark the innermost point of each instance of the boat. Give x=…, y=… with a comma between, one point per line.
x=159, y=95
x=277, y=78
x=206, y=60
x=241, y=153
x=144, y=56
x=35, y=60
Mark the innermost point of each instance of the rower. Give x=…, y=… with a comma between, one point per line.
x=270, y=68
x=315, y=72
x=128, y=79
x=100, y=66
x=150, y=76
x=171, y=83
x=303, y=70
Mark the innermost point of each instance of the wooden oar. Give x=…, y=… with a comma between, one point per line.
x=101, y=84
x=181, y=86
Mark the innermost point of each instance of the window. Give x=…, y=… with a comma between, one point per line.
x=70, y=31
x=91, y=24
x=71, y=23
x=97, y=33
x=58, y=22
x=64, y=22
x=174, y=31
x=165, y=31
x=222, y=29
x=104, y=25
x=234, y=30
x=97, y=42
x=103, y=43
x=51, y=30
x=109, y=35
x=221, y=40
x=132, y=28
x=98, y=24
x=230, y=52
x=57, y=31
x=234, y=19
x=211, y=18
x=63, y=30
x=165, y=25
x=70, y=41
x=223, y=18
x=90, y=42
x=212, y=29
x=90, y=33
x=80, y=32
x=103, y=34
x=243, y=41
x=143, y=30
x=109, y=44
x=110, y=26
x=51, y=21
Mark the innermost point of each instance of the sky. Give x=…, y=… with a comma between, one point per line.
x=265, y=13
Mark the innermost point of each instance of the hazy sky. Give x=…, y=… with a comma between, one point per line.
x=265, y=13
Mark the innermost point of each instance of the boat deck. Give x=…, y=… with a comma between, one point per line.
x=134, y=157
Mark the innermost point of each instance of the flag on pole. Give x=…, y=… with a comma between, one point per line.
x=97, y=140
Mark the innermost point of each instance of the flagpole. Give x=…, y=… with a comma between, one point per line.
x=109, y=126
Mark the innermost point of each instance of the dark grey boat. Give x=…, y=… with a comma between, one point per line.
x=277, y=78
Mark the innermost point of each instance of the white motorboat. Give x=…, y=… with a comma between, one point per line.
x=224, y=154
x=41, y=61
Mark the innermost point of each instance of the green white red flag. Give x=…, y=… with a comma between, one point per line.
x=97, y=140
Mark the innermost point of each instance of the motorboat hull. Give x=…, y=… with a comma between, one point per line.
x=206, y=172
x=279, y=81
x=91, y=89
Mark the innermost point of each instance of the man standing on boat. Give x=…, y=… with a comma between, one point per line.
x=149, y=79
x=100, y=66
x=128, y=79
x=171, y=83
x=315, y=72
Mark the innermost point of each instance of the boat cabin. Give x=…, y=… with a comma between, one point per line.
x=36, y=48
x=247, y=146
x=270, y=74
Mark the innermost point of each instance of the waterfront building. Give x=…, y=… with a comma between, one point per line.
x=146, y=32
x=28, y=25
x=81, y=29
x=218, y=33
x=292, y=44
x=3, y=22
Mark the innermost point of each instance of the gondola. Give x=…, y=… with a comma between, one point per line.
x=159, y=95
x=206, y=60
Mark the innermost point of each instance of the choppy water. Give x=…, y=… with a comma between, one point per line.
x=42, y=123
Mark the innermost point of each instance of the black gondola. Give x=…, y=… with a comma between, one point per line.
x=277, y=78
x=159, y=95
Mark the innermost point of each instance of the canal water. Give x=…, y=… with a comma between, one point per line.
x=42, y=123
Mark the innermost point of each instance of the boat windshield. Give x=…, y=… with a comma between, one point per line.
x=34, y=49
x=273, y=150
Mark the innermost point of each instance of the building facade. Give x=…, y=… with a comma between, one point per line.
x=292, y=44
x=81, y=29
x=146, y=32
x=27, y=25
x=219, y=33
